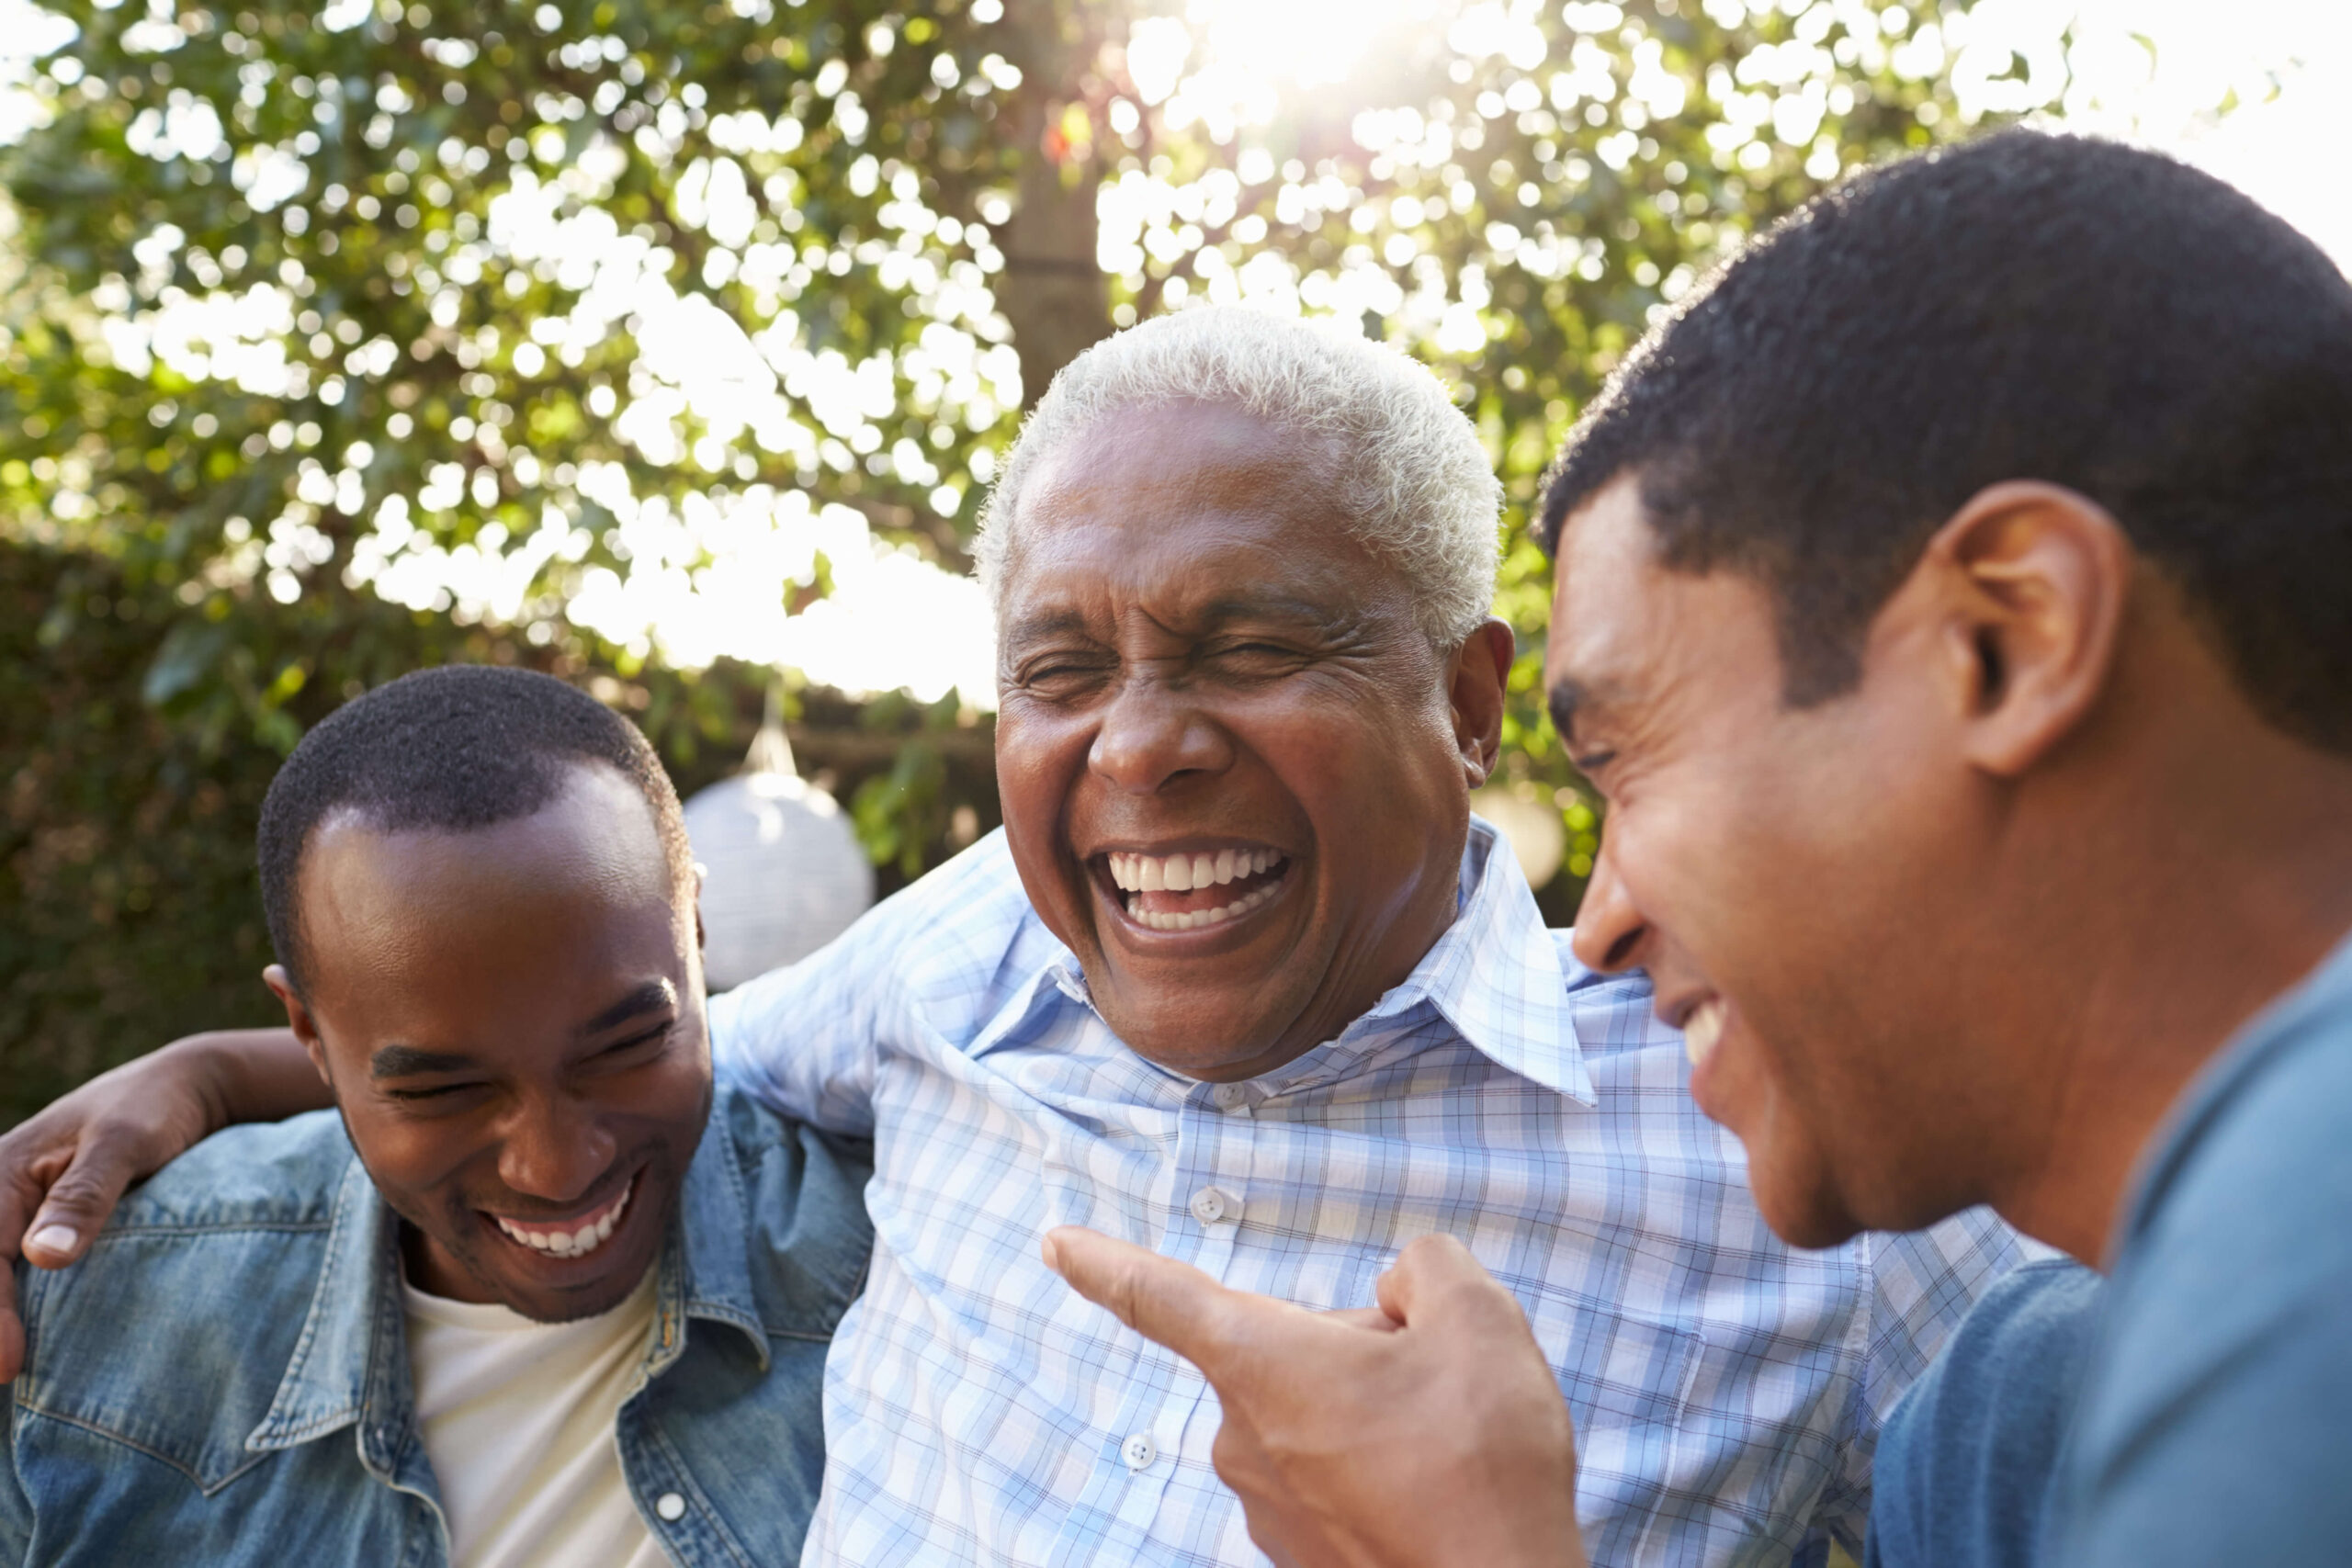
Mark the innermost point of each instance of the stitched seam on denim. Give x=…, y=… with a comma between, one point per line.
x=105, y=1434
x=695, y=1305
x=213, y=1227
x=271, y=1432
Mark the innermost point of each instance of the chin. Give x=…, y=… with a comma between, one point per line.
x=1175, y=1032
x=1800, y=1200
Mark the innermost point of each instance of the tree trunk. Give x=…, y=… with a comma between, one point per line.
x=1052, y=290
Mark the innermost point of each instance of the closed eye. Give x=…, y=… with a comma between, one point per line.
x=431, y=1092
x=1060, y=673
x=656, y=1035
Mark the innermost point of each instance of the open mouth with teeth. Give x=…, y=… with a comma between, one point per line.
x=574, y=1238
x=1196, y=889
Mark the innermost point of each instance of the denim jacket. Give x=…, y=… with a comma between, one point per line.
x=224, y=1378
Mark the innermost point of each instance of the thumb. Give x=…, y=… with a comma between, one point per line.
x=1159, y=1298
x=77, y=1203
x=1435, y=1278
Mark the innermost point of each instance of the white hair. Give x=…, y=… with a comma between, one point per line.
x=1416, y=487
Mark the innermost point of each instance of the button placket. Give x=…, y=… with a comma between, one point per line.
x=1125, y=1491
x=1211, y=1206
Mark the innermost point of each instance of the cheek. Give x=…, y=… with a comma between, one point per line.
x=1038, y=758
x=1381, y=770
x=410, y=1161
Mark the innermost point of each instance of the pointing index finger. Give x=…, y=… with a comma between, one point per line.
x=1159, y=1298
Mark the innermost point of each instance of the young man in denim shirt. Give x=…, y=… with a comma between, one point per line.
x=534, y=1294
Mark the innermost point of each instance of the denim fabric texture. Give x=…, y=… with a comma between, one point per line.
x=224, y=1378
x=1967, y=1467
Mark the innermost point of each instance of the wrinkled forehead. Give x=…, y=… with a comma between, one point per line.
x=1194, y=508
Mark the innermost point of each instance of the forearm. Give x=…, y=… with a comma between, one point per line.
x=248, y=1075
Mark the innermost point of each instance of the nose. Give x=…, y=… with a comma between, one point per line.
x=555, y=1148
x=1152, y=732
x=1610, y=928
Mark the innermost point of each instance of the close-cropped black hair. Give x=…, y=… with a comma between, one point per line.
x=2027, y=306
x=463, y=747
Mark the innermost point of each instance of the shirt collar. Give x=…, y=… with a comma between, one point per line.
x=1495, y=975
x=325, y=1384
x=349, y=1359
x=714, y=1281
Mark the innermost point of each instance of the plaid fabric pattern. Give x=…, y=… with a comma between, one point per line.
x=1727, y=1390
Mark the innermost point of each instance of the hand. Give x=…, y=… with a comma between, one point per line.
x=63, y=1171
x=1427, y=1432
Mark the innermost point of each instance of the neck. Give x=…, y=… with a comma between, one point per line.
x=2236, y=881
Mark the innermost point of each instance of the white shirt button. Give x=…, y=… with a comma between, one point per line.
x=670, y=1507
x=1139, y=1450
x=1209, y=1206
x=1228, y=1095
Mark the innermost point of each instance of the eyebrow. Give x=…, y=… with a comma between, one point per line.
x=654, y=996
x=409, y=1061
x=1043, y=624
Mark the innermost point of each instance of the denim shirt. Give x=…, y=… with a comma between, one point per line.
x=224, y=1378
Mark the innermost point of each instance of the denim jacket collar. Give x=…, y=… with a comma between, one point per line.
x=350, y=1362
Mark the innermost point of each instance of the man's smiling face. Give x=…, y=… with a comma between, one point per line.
x=512, y=1021
x=1766, y=864
x=1235, y=772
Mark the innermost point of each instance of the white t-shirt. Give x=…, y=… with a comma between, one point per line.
x=517, y=1418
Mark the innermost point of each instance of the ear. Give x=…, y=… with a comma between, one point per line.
x=298, y=1018
x=2041, y=576
x=1476, y=682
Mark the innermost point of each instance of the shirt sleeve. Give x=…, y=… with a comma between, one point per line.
x=1917, y=1288
x=930, y=961
x=803, y=1040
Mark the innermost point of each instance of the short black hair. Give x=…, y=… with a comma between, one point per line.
x=2026, y=305
x=462, y=747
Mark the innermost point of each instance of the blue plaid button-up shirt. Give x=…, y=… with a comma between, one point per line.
x=1727, y=1391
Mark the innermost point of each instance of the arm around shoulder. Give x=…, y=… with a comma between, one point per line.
x=63, y=1170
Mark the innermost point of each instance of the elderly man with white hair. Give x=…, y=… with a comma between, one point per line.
x=1242, y=980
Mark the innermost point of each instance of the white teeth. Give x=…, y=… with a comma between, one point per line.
x=1184, y=920
x=1702, y=1030
x=572, y=1243
x=1183, y=873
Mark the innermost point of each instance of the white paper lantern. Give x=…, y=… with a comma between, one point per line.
x=783, y=873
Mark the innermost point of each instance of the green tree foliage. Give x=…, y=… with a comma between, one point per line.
x=343, y=339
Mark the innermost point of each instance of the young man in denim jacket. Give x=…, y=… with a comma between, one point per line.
x=532, y=1295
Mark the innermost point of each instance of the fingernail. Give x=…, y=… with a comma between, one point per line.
x=54, y=1239
x=1053, y=1255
